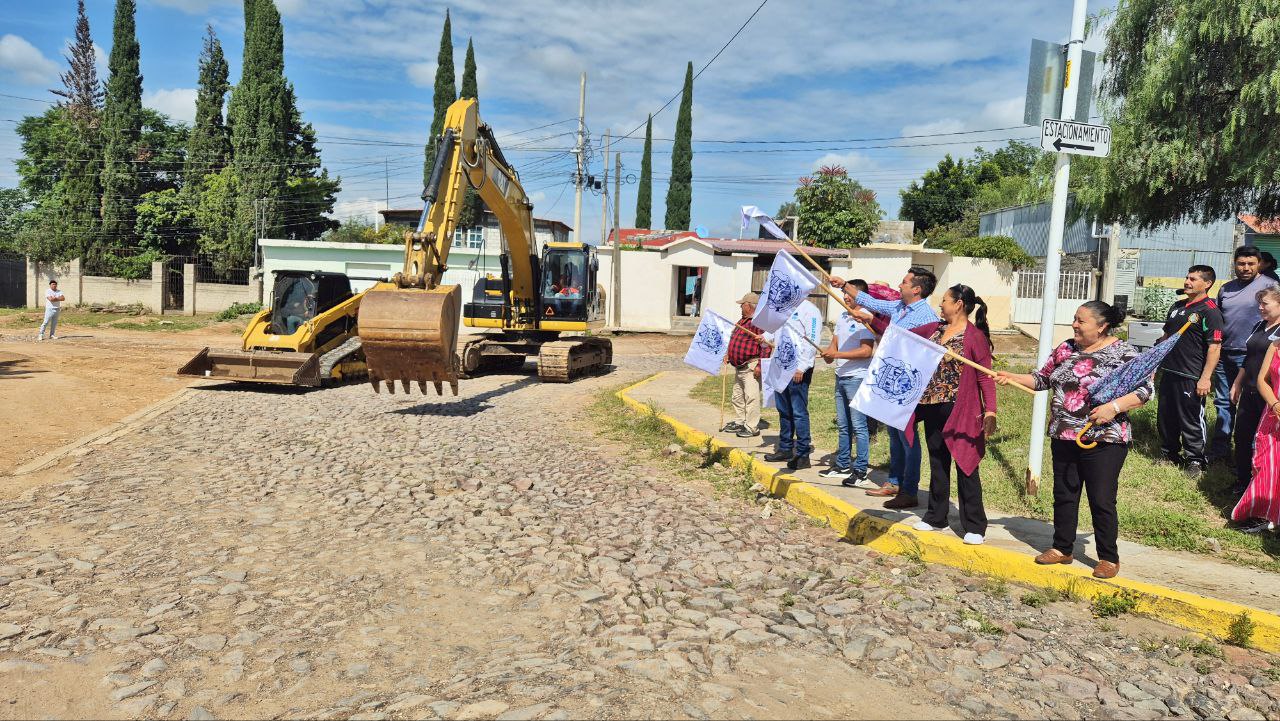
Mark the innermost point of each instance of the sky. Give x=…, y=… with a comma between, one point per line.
x=803, y=85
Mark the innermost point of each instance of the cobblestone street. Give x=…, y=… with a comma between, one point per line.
x=341, y=554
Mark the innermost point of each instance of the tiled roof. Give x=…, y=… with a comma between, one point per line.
x=657, y=239
x=1266, y=226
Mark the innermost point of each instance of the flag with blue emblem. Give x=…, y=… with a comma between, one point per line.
x=787, y=286
x=784, y=361
x=710, y=343
x=900, y=370
x=767, y=399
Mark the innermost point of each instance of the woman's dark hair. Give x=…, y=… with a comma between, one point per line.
x=971, y=300
x=1105, y=313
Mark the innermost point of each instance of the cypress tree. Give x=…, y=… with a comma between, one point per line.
x=644, y=194
x=81, y=91
x=680, y=188
x=472, y=206
x=312, y=193
x=259, y=130
x=208, y=146
x=445, y=94
x=79, y=195
x=121, y=129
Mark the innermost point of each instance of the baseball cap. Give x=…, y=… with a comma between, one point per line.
x=752, y=298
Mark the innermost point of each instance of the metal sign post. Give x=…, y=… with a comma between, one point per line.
x=1053, y=254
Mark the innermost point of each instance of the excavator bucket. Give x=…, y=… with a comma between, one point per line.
x=299, y=369
x=410, y=335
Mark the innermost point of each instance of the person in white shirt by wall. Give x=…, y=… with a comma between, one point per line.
x=52, y=307
x=850, y=350
x=794, y=440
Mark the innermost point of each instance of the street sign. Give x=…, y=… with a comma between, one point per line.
x=1046, y=79
x=1064, y=136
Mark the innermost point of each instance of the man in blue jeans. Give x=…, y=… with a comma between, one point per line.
x=794, y=440
x=851, y=349
x=1238, y=301
x=911, y=312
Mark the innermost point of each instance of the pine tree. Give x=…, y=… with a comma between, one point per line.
x=81, y=89
x=209, y=145
x=644, y=194
x=259, y=129
x=680, y=188
x=472, y=213
x=121, y=129
x=444, y=96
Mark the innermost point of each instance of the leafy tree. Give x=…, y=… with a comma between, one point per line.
x=680, y=187
x=644, y=193
x=836, y=211
x=940, y=197
x=166, y=222
x=216, y=219
x=209, y=145
x=1190, y=92
x=13, y=205
x=445, y=94
x=472, y=206
x=358, y=230
x=310, y=193
x=997, y=247
x=81, y=90
x=121, y=129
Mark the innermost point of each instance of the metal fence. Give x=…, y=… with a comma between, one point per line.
x=1073, y=289
x=13, y=280
x=127, y=263
x=210, y=269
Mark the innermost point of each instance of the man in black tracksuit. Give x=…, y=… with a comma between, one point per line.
x=1186, y=374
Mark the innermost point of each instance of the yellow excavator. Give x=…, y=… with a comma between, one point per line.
x=408, y=326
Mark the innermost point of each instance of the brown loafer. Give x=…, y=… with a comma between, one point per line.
x=885, y=491
x=901, y=501
x=1106, y=569
x=1052, y=556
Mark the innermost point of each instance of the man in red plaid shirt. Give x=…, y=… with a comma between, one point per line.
x=745, y=351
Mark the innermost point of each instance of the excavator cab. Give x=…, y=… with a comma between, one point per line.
x=569, y=290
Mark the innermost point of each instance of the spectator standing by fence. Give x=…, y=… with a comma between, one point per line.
x=1185, y=373
x=52, y=308
x=1238, y=302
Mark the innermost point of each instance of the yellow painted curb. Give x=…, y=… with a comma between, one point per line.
x=1187, y=610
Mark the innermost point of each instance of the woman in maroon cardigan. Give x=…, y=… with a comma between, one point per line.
x=958, y=409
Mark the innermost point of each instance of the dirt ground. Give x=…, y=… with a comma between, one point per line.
x=58, y=391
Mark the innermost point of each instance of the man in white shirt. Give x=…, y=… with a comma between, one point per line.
x=52, y=307
x=794, y=441
x=851, y=349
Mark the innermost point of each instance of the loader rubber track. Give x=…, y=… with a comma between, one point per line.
x=563, y=360
x=347, y=351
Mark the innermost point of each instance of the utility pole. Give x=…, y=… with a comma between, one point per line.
x=579, y=149
x=1053, y=253
x=386, y=178
x=616, y=266
x=604, y=193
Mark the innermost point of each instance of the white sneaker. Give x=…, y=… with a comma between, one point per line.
x=973, y=539
x=39, y=338
x=866, y=484
x=53, y=337
x=926, y=526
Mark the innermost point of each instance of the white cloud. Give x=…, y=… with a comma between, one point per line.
x=194, y=7
x=853, y=161
x=177, y=103
x=422, y=75
x=363, y=208
x=25, y=62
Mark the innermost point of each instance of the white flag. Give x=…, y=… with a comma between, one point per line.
x=902, y=366
x=785, y=359
x=710, y=343
x=751, y=212
x=766, y=391
x=787, y=286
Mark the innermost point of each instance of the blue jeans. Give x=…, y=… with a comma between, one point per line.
x=793, y=418
x=50, y=321
x=853, y=427
x=1223, y=376
x=904, y=462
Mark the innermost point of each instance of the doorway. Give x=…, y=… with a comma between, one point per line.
x=689, y=285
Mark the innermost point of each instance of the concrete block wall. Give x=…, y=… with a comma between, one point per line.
x=84, y=289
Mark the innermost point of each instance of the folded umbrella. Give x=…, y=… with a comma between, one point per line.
x=1128, y=377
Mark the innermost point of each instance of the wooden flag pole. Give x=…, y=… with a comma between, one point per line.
x=840, y=299
x=724, y=382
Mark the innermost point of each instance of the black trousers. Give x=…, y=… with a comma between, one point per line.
x=1180, y=419
x=1248, y=416
x=1097, y=472
x=973, y=517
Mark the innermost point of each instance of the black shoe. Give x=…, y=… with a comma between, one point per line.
x=798, y=463
x=854, y=478
x=732, y=427
x=1193, y=470
x=833, y=472
x=778, y=456
x=746, y=433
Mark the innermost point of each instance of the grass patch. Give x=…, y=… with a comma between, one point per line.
x=984, y=624
x=26, y=318
x=1111, y=605
x=1158, y=505
x=1042, y=597
x=1240, y=632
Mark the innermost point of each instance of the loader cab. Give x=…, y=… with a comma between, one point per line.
x=299, y=296
x=569, y=290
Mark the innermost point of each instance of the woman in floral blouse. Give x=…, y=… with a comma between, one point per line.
x=1075, y=366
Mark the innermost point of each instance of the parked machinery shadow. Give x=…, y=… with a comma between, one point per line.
x=19, y=367
x=469, y=406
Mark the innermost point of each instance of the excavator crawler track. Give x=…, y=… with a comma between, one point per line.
x=563, y=360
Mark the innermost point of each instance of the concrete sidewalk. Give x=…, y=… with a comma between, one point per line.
x=1185, y=572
